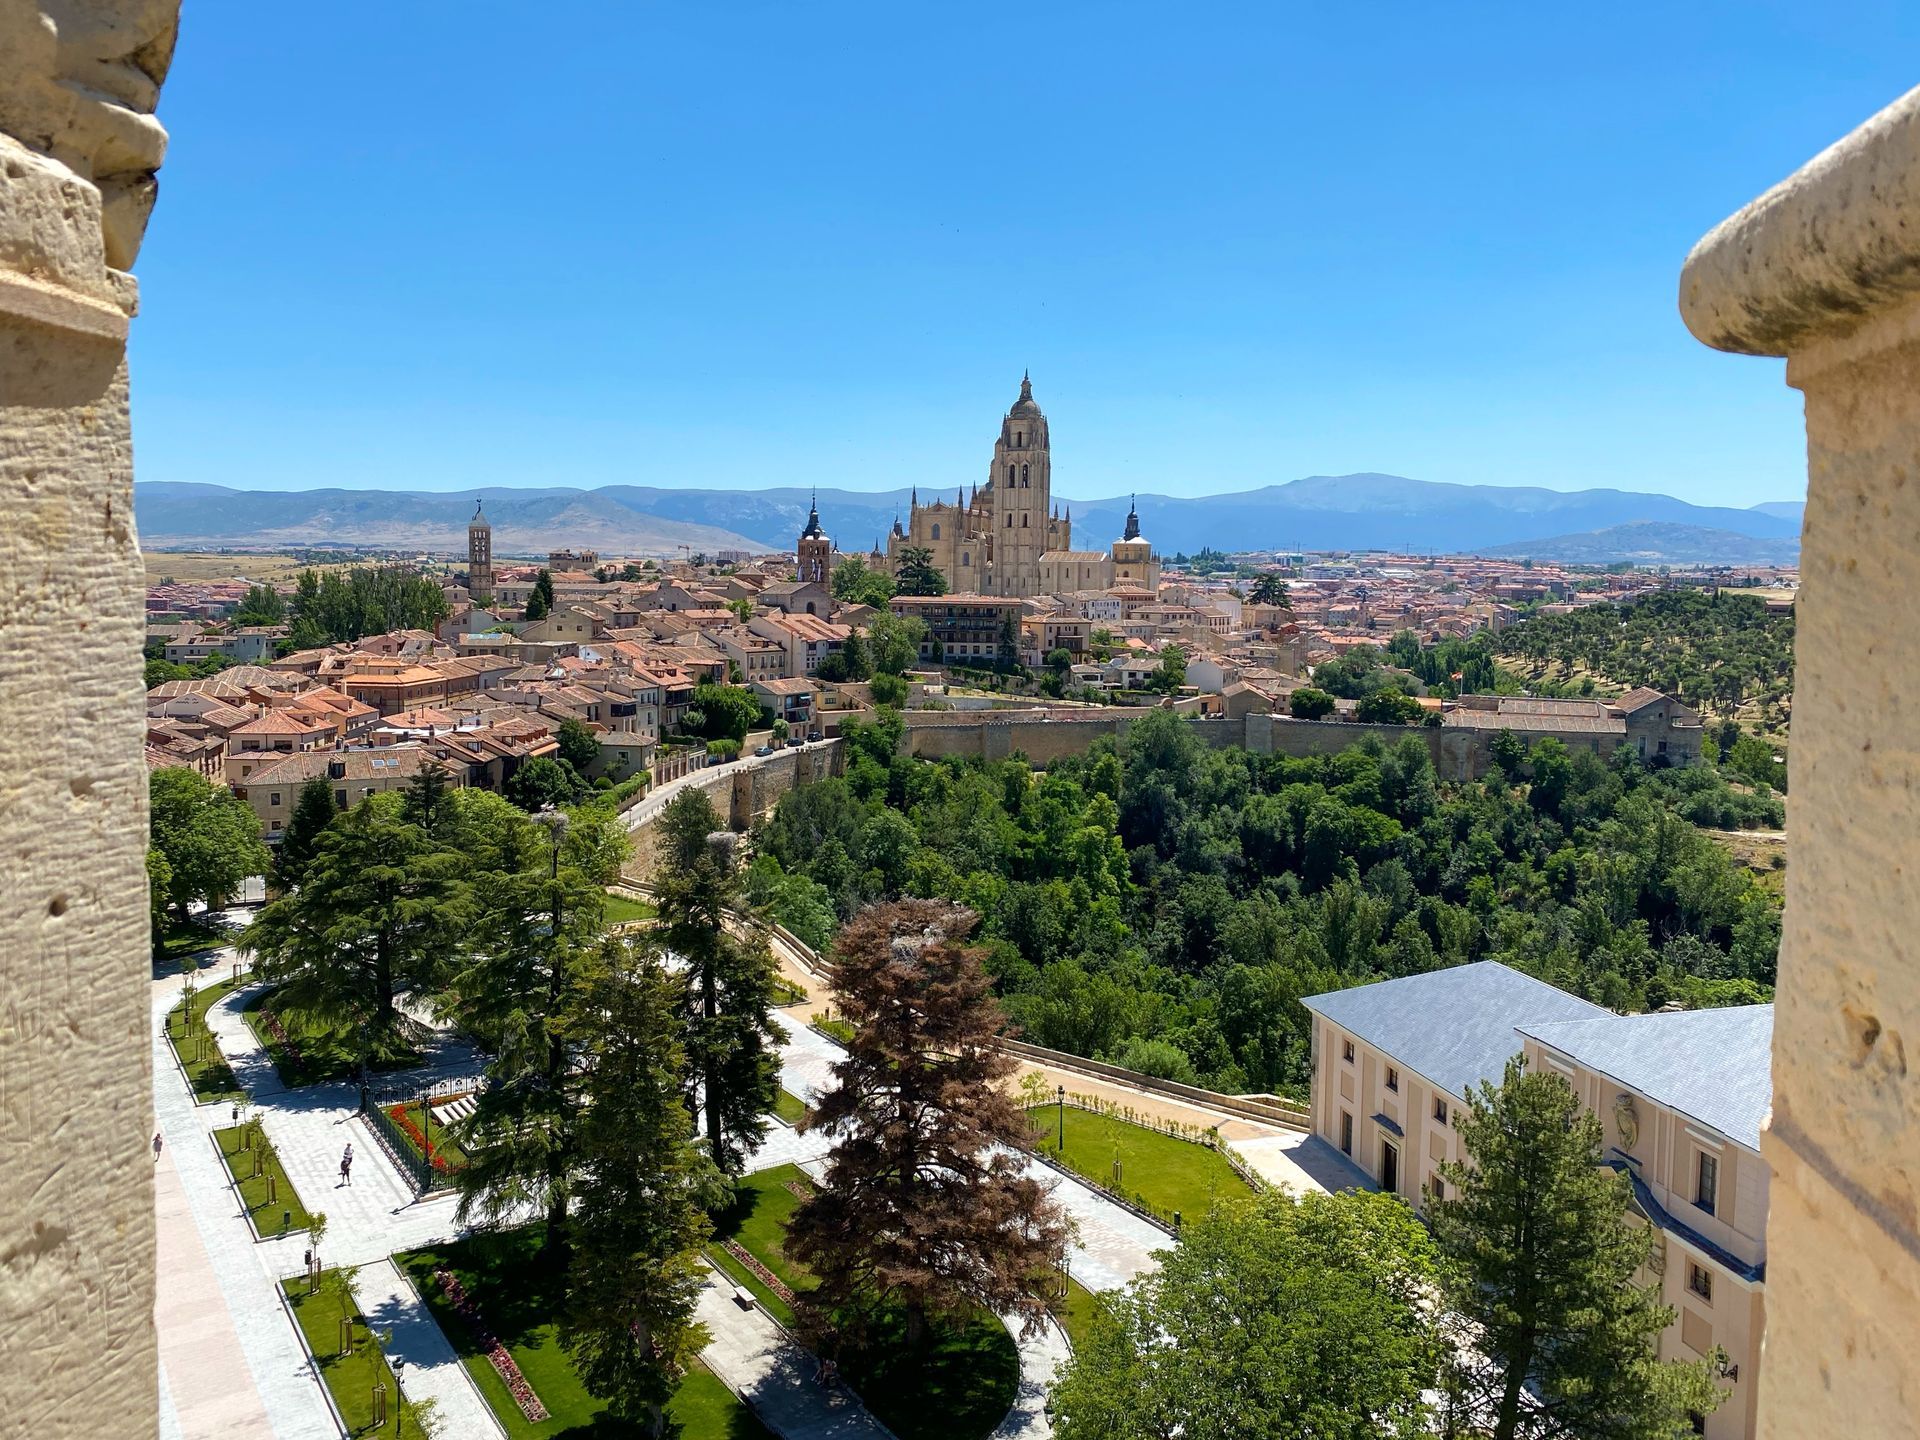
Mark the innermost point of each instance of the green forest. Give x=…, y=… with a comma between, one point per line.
x=1164, y=905
x=1724, y=654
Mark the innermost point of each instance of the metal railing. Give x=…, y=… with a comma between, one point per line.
x=400, y=1147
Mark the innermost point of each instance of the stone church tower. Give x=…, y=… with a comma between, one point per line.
x=479, y=558
x=1021, y=479
x=813, y=556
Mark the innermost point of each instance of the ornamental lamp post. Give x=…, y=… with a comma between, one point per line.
x=1061, y=1096
x=399, y=1396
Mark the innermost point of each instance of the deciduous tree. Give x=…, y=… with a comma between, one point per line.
x=209, y=836
x=926, y=1207
x=1558, y=1334
x=1284, y=1318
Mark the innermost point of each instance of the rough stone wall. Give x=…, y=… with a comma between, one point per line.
x=78, y=146
x=1458, y=754
x=1825, y=269
x=743, y=793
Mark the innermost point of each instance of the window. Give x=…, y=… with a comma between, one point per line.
x=1389, y=1167
x=1023, y=476
x=1346, y=1051
x=1439, y=1111
x=1346, y=1133
x=1437, y=1188
x=1023, y=520
x=1700, y=1281
x=1706, y=1191
x=936, y=529
x=1393, y=1079
x=274, y=798
x=1010, y=482
x=1019, y=439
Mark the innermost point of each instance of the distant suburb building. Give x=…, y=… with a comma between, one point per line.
x=1656, y=727
x=1681, y=1095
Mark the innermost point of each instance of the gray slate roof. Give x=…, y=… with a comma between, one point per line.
x=1711, y=1065
x=1456, y=1027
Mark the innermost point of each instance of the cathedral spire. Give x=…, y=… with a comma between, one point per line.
x=1133, y=520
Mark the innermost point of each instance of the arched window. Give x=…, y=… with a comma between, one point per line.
x=1009, y=474
x=1023, y=520
x=1023, y=475
x=1009, y=519
x=936, y=529
x=966, y=558
x=1020, y=439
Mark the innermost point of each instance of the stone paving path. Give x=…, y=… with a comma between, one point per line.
x=757, y=1360
x=432, y=1370
x=1041, y=1356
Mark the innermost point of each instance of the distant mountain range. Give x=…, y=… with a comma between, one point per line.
x=1655, y=542
x=1321, y=512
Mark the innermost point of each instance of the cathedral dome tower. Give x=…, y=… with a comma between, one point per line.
x=1021, y=479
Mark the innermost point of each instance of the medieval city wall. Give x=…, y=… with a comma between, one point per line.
x=742, y=792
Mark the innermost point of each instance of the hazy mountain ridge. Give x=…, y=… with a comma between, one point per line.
x=1654, y=542
x=1320, y=512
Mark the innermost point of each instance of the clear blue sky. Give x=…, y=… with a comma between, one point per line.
x=427, y=245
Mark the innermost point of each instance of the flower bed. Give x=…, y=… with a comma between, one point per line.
x=799, y=1189
x=497, y=1356
x=760, y=1272
x=434, y=1153
x=280, y=1037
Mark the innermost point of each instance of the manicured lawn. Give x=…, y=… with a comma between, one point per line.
x=350, y=1378
x=313, y=1057
x=789, y=1108
x=960, y=1388
x=1166, y=1174
x=839, y=1030
x=786, y=993
x=210, y=1076
x=623, y=908
x=1075, y=1312
x=178, y=941
x=520, y=1295
x=444, y=1145
x=253, y=1188
x=758, y=1220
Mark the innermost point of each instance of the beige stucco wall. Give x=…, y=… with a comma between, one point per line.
x=1825, y=269
x=1666, y=1149
x=1358, y=1087
x=77, y=1353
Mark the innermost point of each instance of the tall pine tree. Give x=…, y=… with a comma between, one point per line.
x=1559, y=1333
x=536, y=919
x=927, y=1206
x=379, y=911
x=639, y=1222
x=313, y=812
x=733, y=1066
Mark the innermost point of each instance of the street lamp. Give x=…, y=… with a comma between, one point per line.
x=399, y=1396
x=1061, y=1145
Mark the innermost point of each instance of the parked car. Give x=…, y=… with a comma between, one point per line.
x=764, y=750
x=813, y=736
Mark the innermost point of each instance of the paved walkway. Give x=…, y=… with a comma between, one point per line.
x=432, y=1370
x=757, y=1360
x=1041, y=1357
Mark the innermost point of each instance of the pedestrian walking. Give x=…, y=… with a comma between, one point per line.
x=156, y=1147
x=346, y=1166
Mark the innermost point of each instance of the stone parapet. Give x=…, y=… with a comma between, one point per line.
x=1825, y=270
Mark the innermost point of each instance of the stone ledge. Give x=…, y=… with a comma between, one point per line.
x=39, y=303
x=1834, y=242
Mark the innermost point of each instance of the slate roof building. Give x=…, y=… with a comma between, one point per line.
x=1682, y=1096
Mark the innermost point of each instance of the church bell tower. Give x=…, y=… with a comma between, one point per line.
x=1021, y=478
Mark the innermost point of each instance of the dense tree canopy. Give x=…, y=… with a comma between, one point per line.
x=1717, y=652
x=1164, y=890
x=208, y=839
x=855, y=584
x=1284, y=1318
x=916, y=574
x=334, y=605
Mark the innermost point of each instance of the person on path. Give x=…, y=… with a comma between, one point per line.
x=156, y=1147
x=346, y=1166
